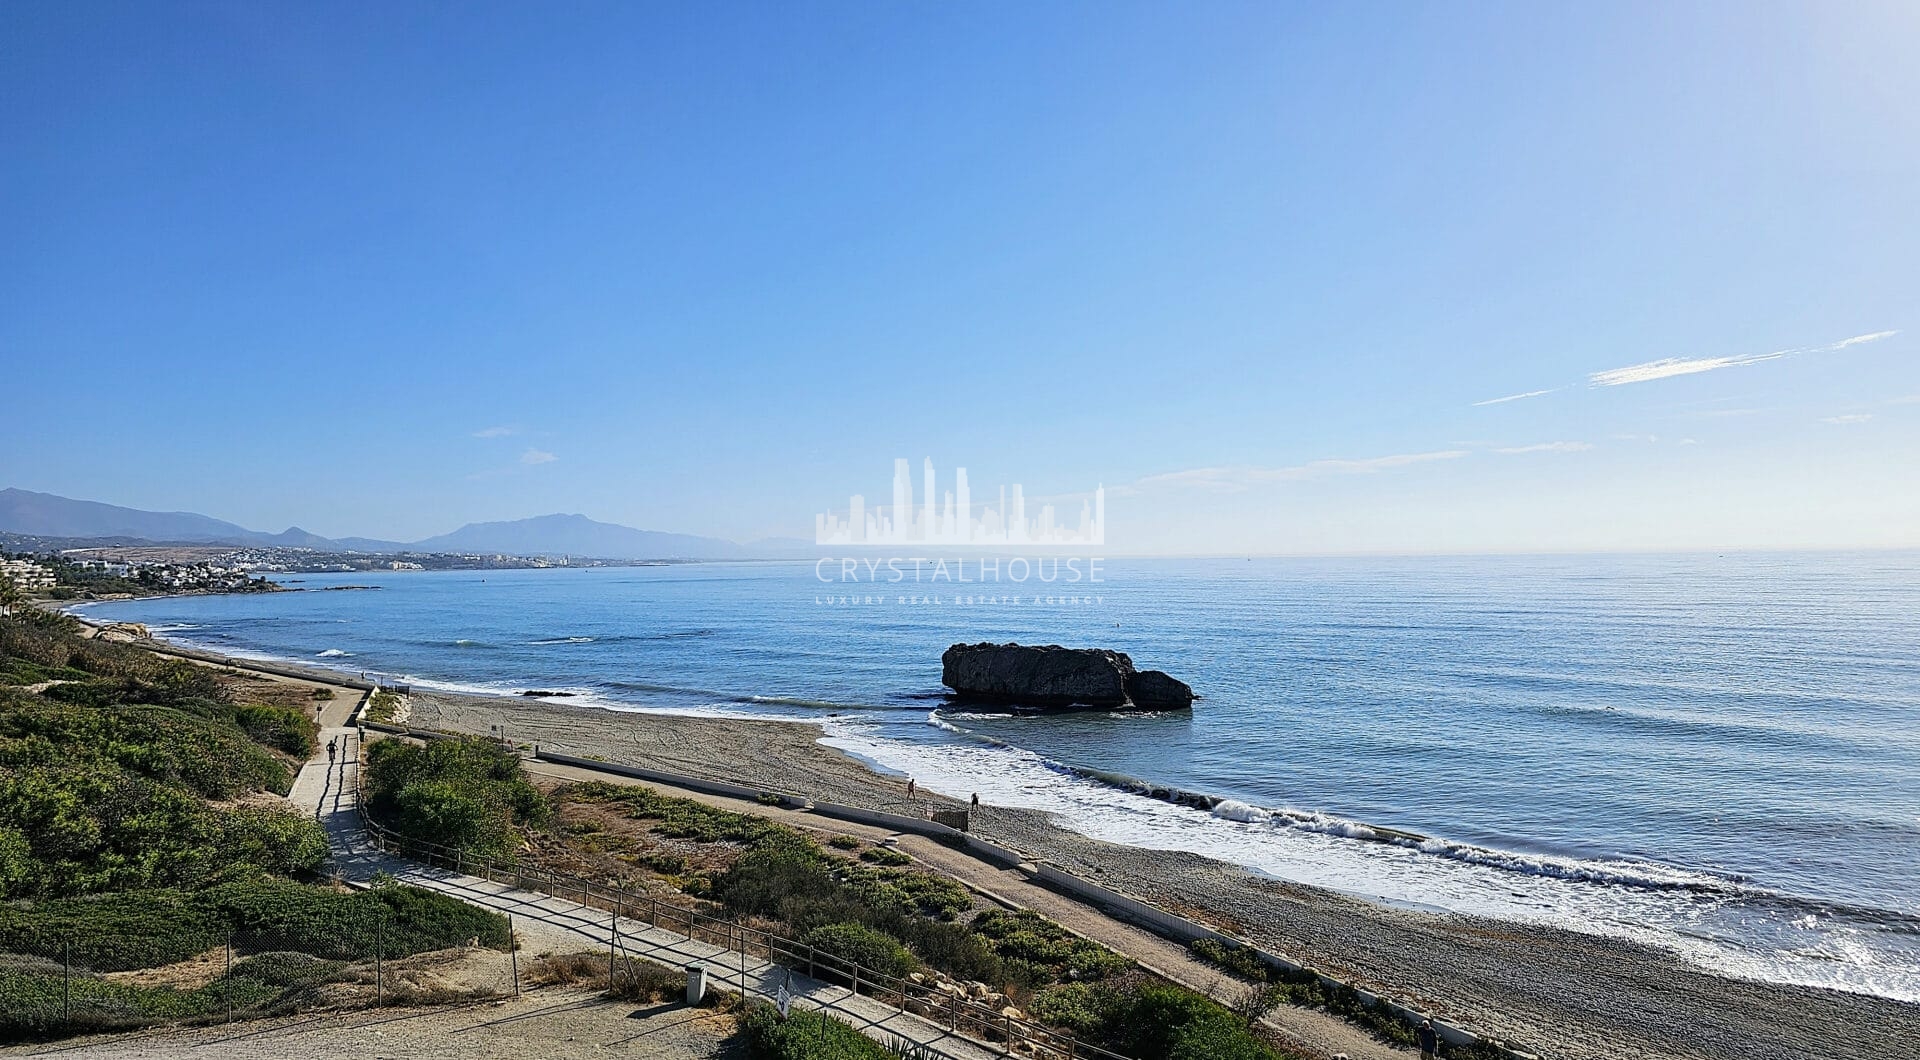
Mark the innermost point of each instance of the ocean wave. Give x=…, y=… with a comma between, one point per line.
x=565, y=640
x=333, y=653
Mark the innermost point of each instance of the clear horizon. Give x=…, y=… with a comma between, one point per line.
x=1287, y=282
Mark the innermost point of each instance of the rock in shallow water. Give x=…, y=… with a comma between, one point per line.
x=1052, y=676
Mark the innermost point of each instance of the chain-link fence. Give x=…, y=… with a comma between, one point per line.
x=60, y=985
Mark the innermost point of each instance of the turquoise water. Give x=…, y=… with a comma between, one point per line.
x=1716, y=754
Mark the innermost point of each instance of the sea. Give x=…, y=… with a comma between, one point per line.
x=1714, y=754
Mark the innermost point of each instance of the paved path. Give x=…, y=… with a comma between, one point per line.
x=545, y=923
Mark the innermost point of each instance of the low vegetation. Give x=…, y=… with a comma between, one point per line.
x=140, y=832
x=804, y=1036
x=153, y=928
x=894, y=920
x=1304, y=989
x=381, y=707
x=137, y=772
x=466, y=795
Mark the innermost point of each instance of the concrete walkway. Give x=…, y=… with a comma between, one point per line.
x=545, y=923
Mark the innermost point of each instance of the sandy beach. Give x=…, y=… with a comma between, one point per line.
x=1561, y=993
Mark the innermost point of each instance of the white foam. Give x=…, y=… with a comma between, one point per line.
x=1663, y=910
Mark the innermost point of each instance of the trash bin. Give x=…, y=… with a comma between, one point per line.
x=696, y=983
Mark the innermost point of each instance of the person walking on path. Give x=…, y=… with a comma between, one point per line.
x=333, y=746
x=1429, y=1041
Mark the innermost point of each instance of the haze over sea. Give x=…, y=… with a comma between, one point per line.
x=1711, y=753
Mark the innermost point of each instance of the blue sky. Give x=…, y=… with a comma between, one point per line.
x=1258, y=268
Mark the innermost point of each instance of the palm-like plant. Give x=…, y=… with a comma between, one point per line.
x=10, y=595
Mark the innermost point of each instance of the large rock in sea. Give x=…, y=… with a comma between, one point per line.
x=1051, y=676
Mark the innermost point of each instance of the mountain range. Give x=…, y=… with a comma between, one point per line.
x=47, y=515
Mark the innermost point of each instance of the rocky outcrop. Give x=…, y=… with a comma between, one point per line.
x=1153, y=690
x=1053, y=676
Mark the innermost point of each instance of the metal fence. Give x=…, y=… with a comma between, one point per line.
x=958, y=1013
x=58, y=985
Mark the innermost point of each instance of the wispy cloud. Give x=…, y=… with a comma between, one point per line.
x=537, y=456
x=1515, y=397
x=1668, y=367
x=1236, y=479
x=1547, y=447
x=1858, y=339
x=1672, y=366
x=496, y=432
x=1850, y=417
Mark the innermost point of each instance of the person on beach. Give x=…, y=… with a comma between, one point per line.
x=1429, y=1041
x=976, y=800
x=910, y=787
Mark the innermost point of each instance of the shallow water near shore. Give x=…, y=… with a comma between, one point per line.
x=1715, y=754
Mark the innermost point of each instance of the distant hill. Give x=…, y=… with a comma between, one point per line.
x=46, y=515
x=577, y=535
x=26, y=512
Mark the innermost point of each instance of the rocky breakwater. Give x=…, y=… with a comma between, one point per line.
x=1060, y=678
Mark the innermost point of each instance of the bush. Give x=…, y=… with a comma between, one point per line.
x=1081, y=1009
x=804, y=1036
x=175, y=745
x=644, y=981
x=1038, y=951
x=1304, y=989
x=281, y=728
x=1160, y=1020
x=464, y=794
x=862, y=945
x=884, y=856
x=90, y=828
x=147, y=929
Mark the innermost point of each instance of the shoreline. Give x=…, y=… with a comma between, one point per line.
x=1547, y=989
x=1551, y=990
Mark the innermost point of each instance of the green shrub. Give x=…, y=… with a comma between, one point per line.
x=464, y=794
x=884, y=856
x=175, y=745
x=287, y=969
x=678, y=818
x=281, y=728
x=1304, y=989
x=804, y=1036
x=862, y=945
x=147, y=929
x=88, y=828
x=1037, y=951
x=1082, y=1009
x=381, y=706
x=1160, y=1020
